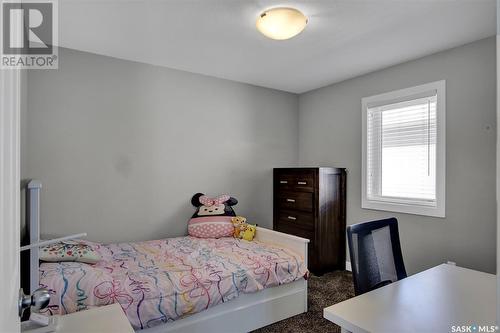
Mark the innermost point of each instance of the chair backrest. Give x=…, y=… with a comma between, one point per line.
x=376, y=258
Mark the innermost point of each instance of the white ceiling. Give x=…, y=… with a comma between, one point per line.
x=344, y=38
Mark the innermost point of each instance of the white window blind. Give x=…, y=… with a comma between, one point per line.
x=403, y=158
x=402, y=151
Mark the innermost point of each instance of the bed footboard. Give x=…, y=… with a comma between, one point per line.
x=291, y=242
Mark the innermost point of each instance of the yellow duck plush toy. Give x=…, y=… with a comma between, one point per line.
x=249, y=232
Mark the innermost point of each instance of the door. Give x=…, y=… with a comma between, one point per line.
x=10, y=96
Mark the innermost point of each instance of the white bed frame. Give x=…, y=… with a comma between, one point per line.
x=33, y=190
x=246, y=313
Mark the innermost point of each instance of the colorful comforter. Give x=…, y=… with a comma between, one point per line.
x=164, y=280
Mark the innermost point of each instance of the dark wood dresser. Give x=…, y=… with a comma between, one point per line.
x=310, y=203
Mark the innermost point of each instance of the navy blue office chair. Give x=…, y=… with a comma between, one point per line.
x=376, y=258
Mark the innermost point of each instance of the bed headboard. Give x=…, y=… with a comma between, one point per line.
x=33, y=190
x=33, y=218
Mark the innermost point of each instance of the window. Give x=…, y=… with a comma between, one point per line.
x=404, y=150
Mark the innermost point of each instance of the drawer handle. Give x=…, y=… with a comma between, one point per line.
x=290, y=200
x=301, y=183
x=292, y=218
x=283, y=182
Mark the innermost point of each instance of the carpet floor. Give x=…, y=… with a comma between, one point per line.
x=323, y=291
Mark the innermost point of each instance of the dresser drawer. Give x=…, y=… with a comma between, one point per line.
x=303, y=182
x=295, y=200
x=296, y=219
x=284, y=182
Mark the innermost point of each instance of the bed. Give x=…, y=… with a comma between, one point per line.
x=183, y=284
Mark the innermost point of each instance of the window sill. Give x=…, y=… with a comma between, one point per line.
x=438, y=211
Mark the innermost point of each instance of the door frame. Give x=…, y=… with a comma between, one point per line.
x=10, y=112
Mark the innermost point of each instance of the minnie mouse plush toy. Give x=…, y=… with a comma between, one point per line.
x=212, y=218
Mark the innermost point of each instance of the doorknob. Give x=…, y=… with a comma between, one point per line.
x=39, y=300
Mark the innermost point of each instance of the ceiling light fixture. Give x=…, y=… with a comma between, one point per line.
x=281, y=23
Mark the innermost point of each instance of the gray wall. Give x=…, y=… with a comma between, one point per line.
x=121, y=146
x=330, y=134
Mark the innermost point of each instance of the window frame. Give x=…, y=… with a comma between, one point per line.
x=395, y=205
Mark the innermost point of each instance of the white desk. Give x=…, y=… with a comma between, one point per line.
x=431, y=301
x=105, y=319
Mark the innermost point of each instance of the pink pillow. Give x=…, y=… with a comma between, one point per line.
x=211, y=227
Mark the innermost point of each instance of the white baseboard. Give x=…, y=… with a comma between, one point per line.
x=348, y=266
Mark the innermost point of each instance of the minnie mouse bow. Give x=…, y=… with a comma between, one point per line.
x=206, y=201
